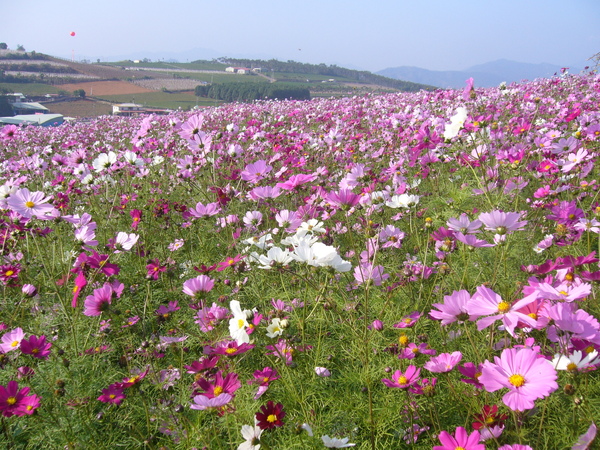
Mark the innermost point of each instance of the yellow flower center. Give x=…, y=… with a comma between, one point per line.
x=230, y=350
x=218, y=390
x=402, y=380
x=11, y=400
x=516, y=380
x=571, y=367
x=589, y=349
x=272, y=418
x=503, y=307
x=533, y=316
x=112, y=396
x=403, y=340
x=240, y=324
x=265, y=379
x=29, y=204
x=8, y=273
x=14, y=343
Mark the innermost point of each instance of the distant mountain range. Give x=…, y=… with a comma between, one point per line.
x=485, y=75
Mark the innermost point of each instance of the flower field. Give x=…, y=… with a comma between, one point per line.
x=415, y=270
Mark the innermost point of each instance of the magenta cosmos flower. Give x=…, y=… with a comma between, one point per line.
x=460, y=440
x=15, y=401
x=526, y=375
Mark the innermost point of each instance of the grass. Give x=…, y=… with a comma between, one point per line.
x=31, y=88
x=166, y=100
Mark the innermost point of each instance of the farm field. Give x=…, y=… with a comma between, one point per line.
x=80, y=108
x=100, y=88
x=174, y=100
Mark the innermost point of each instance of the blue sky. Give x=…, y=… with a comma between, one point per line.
x=368, y=35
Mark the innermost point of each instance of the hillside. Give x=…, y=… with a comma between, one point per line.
x=173, y=85
x=485, y=75
x=333, y=71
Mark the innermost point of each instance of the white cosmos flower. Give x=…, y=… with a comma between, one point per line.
x=456, y=123
x=104, y=161
x=238, y=324
x=576, y=361
x=274, y=255
x=336, y=443
x=320, y=255
x=402, y=201
x=275, y=328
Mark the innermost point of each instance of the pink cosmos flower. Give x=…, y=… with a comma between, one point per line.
x=444, y=362
x=208, y=317
x=255, y=172
x=201, y=402
x=80, y=283
x=295, y=181
x=153, y=269
x=368, y=273
x=471, y=240
x=527, y=377
x=99, y=301
x=472, y=372
x=586, y=440
x=11, y=340
x=409, y=320
x=403, y=380
x=453, y=309
x=263, y=378
x=413, y=350
x=221, y=384
x=201, y=211
x=460, y=440
x=199, y=286
x=486, y=302
x=501, y=222
x=30, y=204
x=464, y=225
x=515, y=447
x=344, y=198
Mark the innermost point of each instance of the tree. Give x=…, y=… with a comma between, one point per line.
x=5, y=108
x=3, y=46
x=79, y=93
x=20, y=48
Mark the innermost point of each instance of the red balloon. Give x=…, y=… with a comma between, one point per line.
x=72, y=33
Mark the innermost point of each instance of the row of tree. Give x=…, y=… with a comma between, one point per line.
x=325, y=70
x=44, y=67
x=247, y=92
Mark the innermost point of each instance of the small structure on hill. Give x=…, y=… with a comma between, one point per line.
x=133, y=109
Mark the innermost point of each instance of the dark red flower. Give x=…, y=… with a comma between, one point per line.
x=488, y=418
x=270, y=416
